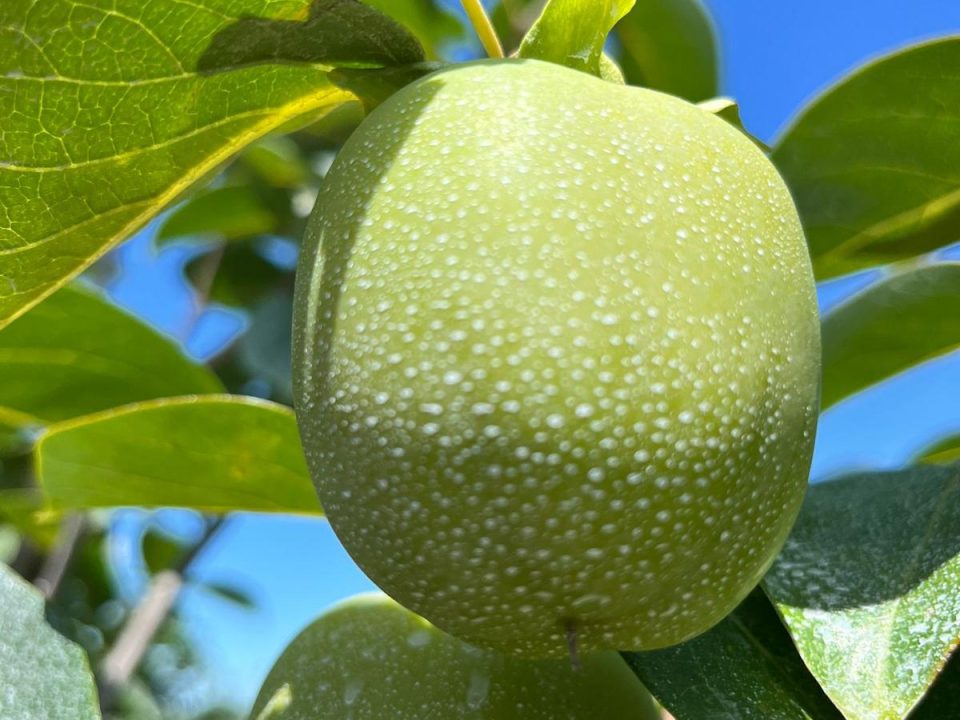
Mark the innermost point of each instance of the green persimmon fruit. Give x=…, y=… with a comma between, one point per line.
x=556, y=358
x=370, y=659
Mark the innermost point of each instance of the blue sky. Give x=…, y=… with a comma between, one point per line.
x=775, y=57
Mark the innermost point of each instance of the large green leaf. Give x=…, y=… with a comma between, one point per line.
x=867, y=585
x=76, y=354
x=669, y=45
x=874, y=164
x=899, y=322
x=113, y=108
x=745, y=668
x=211, y=453
x=573, y=32
x=43, y=676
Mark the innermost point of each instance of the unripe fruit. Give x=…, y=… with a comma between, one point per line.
x=369, y=659
x=557, y=358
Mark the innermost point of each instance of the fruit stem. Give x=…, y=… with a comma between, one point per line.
x=483, y=27
x=571, y=628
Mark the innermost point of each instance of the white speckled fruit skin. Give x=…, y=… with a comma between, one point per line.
x=557, y=358
x=370, y=659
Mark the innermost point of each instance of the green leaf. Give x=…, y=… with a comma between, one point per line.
x=891, y=326
x=44, y=676
x=264, y=351
x=211, y=453
x=374, y=86
x=669, y=45
x=942, y=452
x=573, y=32
x=231, y=594
x=9, y=543
x=16, y=429
x=278, y=161
x=242, y=277
x=433, y=25
x=745, y=668
x=22, y=508
x=867, y=585
x=941, y=702
x=160, y=550
x=111, y=113
x=874, y=164
x=225, y=213
x=76, y=354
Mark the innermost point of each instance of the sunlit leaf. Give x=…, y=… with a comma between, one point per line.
x=113, y=110
x=891, y=326
x=669, y=45
x=211, y=453
x=573, y=32
x=874, y=164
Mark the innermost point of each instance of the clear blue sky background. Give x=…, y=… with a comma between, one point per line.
x=776, y=55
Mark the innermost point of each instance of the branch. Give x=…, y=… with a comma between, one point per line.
x=119, y=665
x=54, y=568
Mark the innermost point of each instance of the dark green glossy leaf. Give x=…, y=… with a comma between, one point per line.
x=43, y=676
x=113, y=110
x=573, y=32
x=211, y=453
x=669, y=45
x=867, y=585
x=874, y=164
x=225, y=213
x=891, y=326
x=745, y=668
x=76, y=354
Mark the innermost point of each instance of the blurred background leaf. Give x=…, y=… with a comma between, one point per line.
x=669, y=45
x=77, y=353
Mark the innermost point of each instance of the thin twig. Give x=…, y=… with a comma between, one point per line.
x=54, y=568
x=119, y=665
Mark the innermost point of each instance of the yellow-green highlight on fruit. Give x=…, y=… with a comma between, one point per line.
x=556, y=358
x=370, y=659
